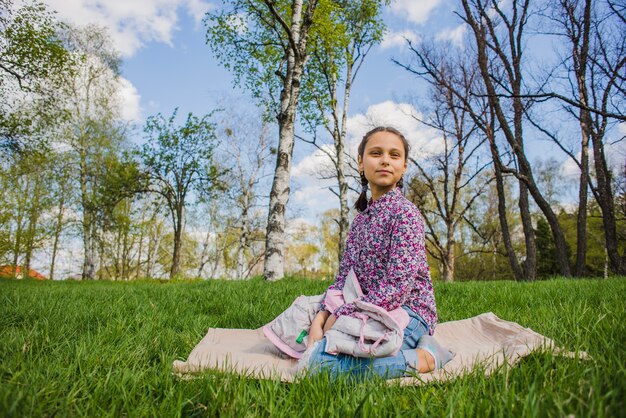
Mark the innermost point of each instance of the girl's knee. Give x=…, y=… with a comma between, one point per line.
x=321, y=361
x=413, y=332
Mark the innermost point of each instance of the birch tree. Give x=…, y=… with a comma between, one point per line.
x=336, y=58
x=249, y=148
x=92, y=131
x=265, y=44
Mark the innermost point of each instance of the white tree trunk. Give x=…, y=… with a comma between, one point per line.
x=340, y=143
x=89, y=262
x=243, y=241
x=279, y=195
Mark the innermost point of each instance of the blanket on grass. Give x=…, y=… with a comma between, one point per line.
x=484, y=341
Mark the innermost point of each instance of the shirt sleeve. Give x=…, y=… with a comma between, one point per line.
x=347, y=262
x=406, y=266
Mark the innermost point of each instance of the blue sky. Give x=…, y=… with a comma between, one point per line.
x=166, y=64
x=167, y=61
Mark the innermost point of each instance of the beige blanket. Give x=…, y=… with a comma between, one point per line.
x=484, y=341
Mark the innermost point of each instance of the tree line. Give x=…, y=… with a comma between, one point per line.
x=206, y=196
x=490, y=94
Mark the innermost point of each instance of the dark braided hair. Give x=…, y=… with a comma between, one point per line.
x=361, y=202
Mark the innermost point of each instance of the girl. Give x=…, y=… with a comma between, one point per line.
x=386, y=249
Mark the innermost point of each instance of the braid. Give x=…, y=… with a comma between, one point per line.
x=361, y=203
x=400, y=183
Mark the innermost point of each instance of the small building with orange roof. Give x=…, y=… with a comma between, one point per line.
x=6, y=271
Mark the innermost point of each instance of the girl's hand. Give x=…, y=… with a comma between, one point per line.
x=329, y=323
x=315, y=333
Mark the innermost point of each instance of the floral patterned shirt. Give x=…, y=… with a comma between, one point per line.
x=386, y=248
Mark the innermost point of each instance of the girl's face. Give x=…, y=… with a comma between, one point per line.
x=383, y=162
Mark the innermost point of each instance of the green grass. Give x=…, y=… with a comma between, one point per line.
x=106, y=349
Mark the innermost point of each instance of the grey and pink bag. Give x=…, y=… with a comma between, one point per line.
x=371, y=331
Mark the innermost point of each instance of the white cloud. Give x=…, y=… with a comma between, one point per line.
x=129, y=101
x=314, y=163
x=132, y=23
x=615, y=151
x=198, y=8
x=416, y=11
x=315, y=198
x=615, y=155
x=402, y=116
x=239, y=21
x=312, y=193
x=455, y=36
x=569, y=169
x=398, y=39
x=424, y=142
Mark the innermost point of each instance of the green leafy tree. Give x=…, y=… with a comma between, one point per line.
x=92, y=130
x=32, y=56
x=597, y=260
x=27, y=185
x=5, y=235
x=266, y=45
x=302, y=249
x=338, y=52
x=188, y=257
x=64, y=199
x=546, y=251
x=179, y=160
x=329, y=242
x=153, y=225
x=118, y=227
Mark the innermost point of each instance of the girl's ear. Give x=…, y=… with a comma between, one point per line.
x=360, y=161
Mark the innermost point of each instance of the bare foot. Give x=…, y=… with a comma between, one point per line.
x=426, y=363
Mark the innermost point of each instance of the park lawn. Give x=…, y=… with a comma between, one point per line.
x=106, y=349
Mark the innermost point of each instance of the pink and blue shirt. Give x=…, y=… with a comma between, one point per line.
x=386, y=249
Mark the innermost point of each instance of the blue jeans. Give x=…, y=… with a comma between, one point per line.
x=386, y=367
